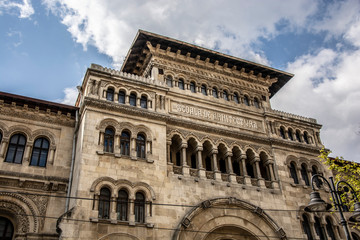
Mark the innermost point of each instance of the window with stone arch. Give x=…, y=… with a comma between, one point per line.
x=291, y=134
x=330, y=228
x=204, y=89
x=139, y=207
x=215, y=92
x=282, y=133
x=109, y=140
x=169, y=81
x=110, y=94
x=320, y=231
x=297, y=134
x=304, y=174
x=125, y=143
x=16, y=149
x=226, y=95
x=122, y=204
x=140, y=146
x=122, y=96
x=293, y=172
x=6, y=229
x=355, y=236
x=306, y=138
x=104, y=203
x=181, y=84
x=236, y=98
x=246, y=100
x=264, y=169
x=192, y=87
x=306, y=227
x=143, y=102
x=256, y=103
x=40, y=152
x=132, y=99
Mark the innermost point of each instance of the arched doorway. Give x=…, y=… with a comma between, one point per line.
x=6, y=229
x=230, y=233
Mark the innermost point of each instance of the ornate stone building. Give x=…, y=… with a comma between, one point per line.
x=182, y=143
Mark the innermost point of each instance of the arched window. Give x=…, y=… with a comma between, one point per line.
x=319, y=229
x=293, y=173
x=246, y=100
x=110, y=94
x=109, y=140
x=192, y=87
x=250, y=170
x=290, y=134
x=122, y=205
x=132, y=99
x=306, y=139
x=140, y=146
x=169, y=81
x=104, y=203
x=236, y=98
x=304, y=174
x=193, y=161
x=317, y=181
x=236, y=168
x=204, y=90
x=226, y=95
x=222, y=165
x=208, y=164
x=125, y=143
x=139, y=207
x=181, y=84
x=6, y=229
x=306, y=227
x=122, y=97
x=256, y=103
x=143, y=102
x=16, y=149
x=298, y=135
x=355, y=236
x=40, y=152
x=330, y=229
x=215, y=93
x=282, y=133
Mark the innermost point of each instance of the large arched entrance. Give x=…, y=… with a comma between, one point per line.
x=6, y=229
x=228, y=219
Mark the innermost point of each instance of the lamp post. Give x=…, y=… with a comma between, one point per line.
x=317, y=204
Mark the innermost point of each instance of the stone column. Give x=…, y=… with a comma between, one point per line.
x=4, y=144
x=247, y=178
x=217, y=173
x=185, y=167
x=202, y=172
x=168, y=153
x=51, y=155
x=113, y=215
x=261, y=181
x=229, y=167
x=131, y=211
x=127, y=99
x=138, y=102
x=133, y=148
x=116, y=97
x=270, y=164
x=27, y=151
x=117, y=145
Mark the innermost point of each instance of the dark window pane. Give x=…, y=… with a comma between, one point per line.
x=203, y=90
x=304, y=175
x=215, y=93
x=169, y=81
x=132, y=99
x=293, y=173
x=226, y=96
x=19, y=154
x=110, y=94
x=236, y=98
x=256, y=103
x=246, y=101
x=122, y=97
x=143, y=102
x=11, y=153
x=192, y=87
x=181, y=84
x=139, y=207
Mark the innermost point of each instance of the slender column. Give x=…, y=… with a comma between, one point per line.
x=138, y=102
x=117, y=144
x=202, y=172
x=51, y=155
x=4, y=145
x=113, y=214
x=27, y=151
x=185, y=167
x=247, y=178
x=101, y=142
x=168, y=145
x=261, y=181
x=214, y=160
x=229, y=168
x=127, y=99
x=116, y=97
x=131, y=211
x=133, y=148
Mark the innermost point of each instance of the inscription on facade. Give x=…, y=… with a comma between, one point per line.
x=216, y=116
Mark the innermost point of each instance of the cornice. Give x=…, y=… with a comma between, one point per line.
x=28, y=176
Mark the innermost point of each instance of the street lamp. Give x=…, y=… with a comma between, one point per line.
x=317, y=204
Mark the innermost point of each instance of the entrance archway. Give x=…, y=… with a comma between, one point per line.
x=6, y=229
x=230, y=233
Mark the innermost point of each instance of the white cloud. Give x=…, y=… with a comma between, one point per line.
x=70, y=97
x=24, y=9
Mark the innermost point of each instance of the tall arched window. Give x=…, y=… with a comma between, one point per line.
x=297, y=134
x=226, y=95
x=104, y=203
x=222, y=165
x=16, y=149
x=306, y=139
x=139, y=207
x=122, y=97
x=246, y=100
x=181, y=84
x=143, y=102
x=330, y=229
x=110, y=94
x=304, y=174
x=319, y=229
x=132, y=99
x=140, y=146
x=250, y=170
x=204, y=90
x=40, y=152
x=290, y=134
x=192, y=87
x=215, y=93
x=208, y=164
x=169, y=81
x=122, y=205
x=236, y=98
x=293, y=173
x=6, y=229
x=109, y=140
x=306, y=227
x=256, y=103
x=125, y=143
x=282, y=133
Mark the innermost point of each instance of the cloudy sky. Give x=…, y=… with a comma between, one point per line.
x=46, y=46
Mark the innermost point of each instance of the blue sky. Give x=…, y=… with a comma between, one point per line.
x=46, y=46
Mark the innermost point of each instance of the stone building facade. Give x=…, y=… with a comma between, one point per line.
x=181, y=143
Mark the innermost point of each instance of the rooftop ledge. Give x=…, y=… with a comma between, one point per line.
x=290, y=115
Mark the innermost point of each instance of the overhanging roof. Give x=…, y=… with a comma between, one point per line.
x=135, y=57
